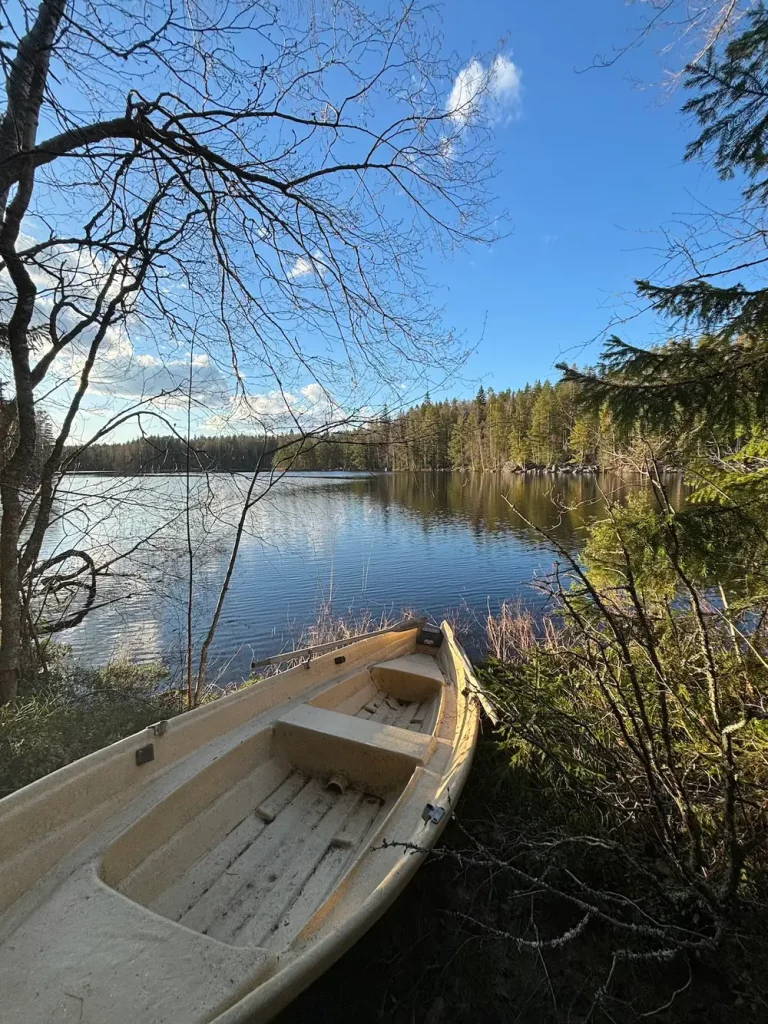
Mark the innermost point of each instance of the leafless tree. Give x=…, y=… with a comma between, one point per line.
x=684, y=31
x=263, y=178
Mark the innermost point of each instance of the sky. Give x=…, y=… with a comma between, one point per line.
x=590, y=168
x=589, y=172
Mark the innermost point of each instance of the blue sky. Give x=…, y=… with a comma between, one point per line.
x=590, y=168
x=589, y=171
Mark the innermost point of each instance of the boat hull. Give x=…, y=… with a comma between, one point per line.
x=210, y=868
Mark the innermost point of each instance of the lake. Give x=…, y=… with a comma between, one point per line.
x=434, y=543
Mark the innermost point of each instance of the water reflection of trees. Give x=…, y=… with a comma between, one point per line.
x=564, y=505
x=314, y=535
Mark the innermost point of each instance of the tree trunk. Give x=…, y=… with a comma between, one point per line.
x=18, y=132
x=10, y=595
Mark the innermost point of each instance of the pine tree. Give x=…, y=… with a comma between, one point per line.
x=717, y=373
x=583, y=439
x=498, y=424
x=544, y=435
x=458, y=443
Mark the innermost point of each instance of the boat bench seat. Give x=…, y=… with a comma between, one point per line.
x=413, y=677
x=369, y=754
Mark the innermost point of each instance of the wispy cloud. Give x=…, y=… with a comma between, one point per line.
x=132, y=376
x=478, y=87
x=307, y=265
x=311, y=408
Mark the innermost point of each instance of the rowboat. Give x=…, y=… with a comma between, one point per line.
x=210, y=867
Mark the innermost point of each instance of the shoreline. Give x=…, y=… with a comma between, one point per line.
x=578, y=470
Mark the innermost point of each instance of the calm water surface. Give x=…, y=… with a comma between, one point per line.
x=430, y=542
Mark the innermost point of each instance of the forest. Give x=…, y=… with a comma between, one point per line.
x=540, y=425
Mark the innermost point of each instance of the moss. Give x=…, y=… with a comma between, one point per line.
x=75, y=711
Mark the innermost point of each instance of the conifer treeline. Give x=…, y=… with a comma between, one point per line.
x=538, y=425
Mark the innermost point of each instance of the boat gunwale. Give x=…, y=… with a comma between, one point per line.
x=41, y=814
x=175, y=724
x=334, y=645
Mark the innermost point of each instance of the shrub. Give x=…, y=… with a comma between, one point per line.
x=638, y=718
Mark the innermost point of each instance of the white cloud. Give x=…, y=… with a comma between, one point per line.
x=311, y=407
x=447, y=148
x=307, y=265
x=81, y=275
x=477, y=87
x=314, y=393
x=140, y=376
x=121, y=372
x=506, y=79
x=464, y=98
x=135, y=365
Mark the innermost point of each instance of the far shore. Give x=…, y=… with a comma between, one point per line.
x=532, y=471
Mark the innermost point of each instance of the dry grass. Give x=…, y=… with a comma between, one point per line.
x=329, y=626
x=514, y=633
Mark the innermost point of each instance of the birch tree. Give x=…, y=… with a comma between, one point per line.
x=261, y=178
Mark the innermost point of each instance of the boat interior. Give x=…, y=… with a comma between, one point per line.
x=286, y=812
x=219, y=850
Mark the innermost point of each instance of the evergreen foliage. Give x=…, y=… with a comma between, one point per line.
x=716, y=374
x=537, y=425
x=711, y=384
x=646, y=699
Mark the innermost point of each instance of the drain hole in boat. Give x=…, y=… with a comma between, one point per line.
x=337, y=784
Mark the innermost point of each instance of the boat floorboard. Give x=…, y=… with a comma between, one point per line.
x=269, y=874
x=413, y=715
